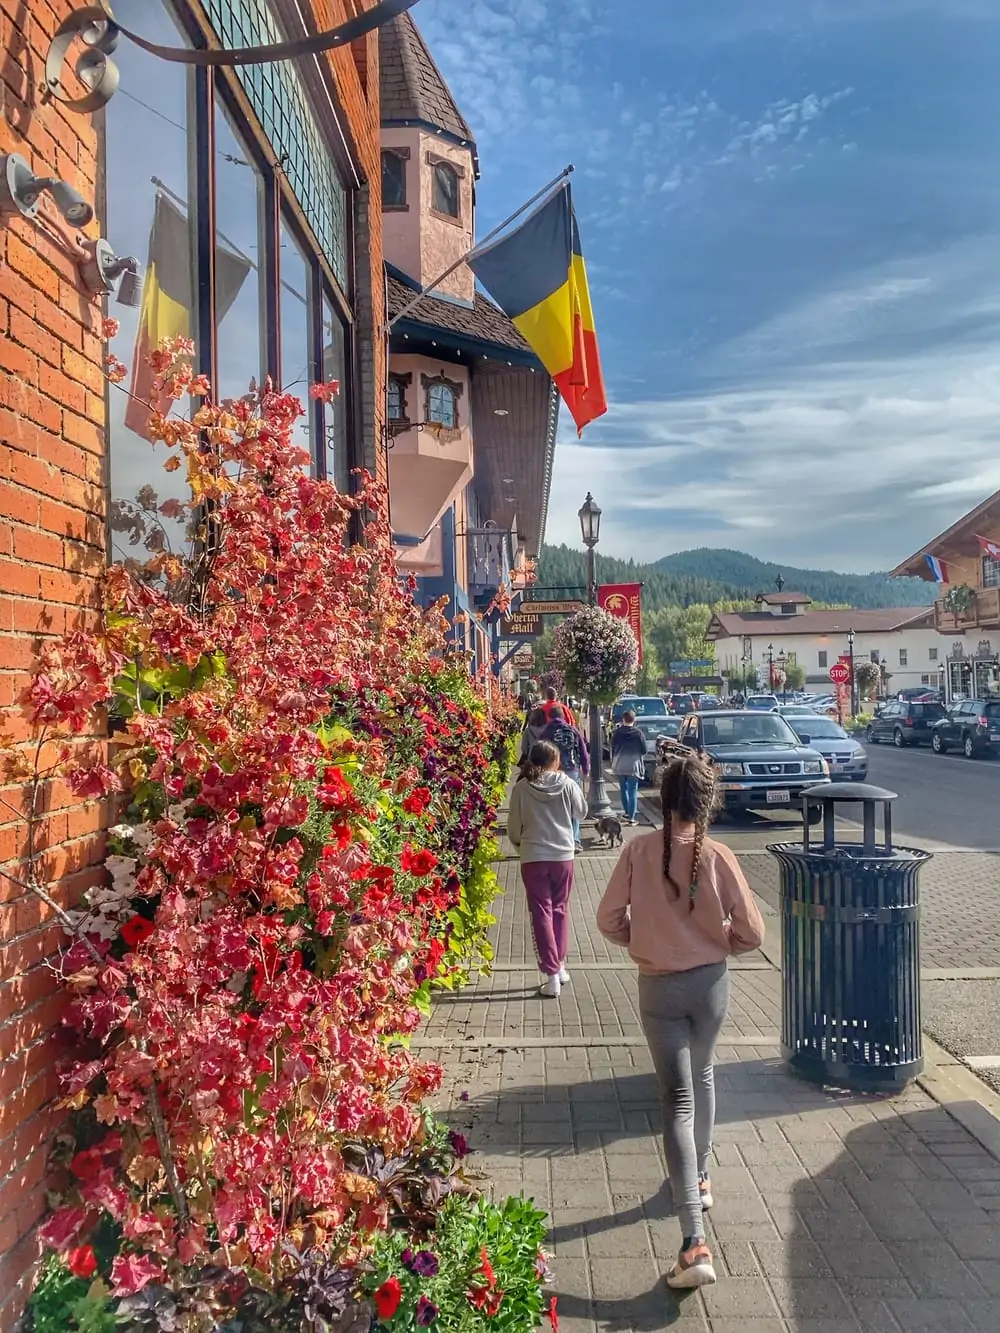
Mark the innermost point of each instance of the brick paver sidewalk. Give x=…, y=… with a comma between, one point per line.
x=834, y=1212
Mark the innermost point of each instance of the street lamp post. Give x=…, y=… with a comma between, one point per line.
x=850, y=650
x=770, y=667
x=590, y=529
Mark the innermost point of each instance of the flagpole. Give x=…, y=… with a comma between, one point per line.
x=501, y=226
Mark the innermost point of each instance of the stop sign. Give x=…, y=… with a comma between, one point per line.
x=840, y=673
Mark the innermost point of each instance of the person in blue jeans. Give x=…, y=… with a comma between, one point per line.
x=574, y=758
x=628, y=763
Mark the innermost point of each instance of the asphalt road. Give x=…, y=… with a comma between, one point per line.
x=943, y=799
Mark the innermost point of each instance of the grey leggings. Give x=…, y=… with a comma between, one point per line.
x=682, y=1015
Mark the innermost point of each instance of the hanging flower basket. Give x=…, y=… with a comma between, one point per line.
x=597, y=655
x=959, y=599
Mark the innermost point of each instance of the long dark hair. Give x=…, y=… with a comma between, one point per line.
x=690, y=792
x=542, y=756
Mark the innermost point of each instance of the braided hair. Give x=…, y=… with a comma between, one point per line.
x=689, y=791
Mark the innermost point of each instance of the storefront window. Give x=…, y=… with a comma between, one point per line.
x=161, y=192
x=147, y=214
x=298, y=367
x=239, y=292
x=335, y=412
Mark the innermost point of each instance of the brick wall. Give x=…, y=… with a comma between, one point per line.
x=52, y=545
x=52, y=551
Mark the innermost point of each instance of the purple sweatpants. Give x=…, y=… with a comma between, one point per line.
x=548, y=885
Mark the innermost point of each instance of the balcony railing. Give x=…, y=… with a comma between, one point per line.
x=983, y=613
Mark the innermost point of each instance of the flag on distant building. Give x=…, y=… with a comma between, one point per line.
x=988, y=547
x=167, y=302
x=537, y=276
x=938, y=568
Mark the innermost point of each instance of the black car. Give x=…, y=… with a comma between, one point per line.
x=761, y=763
x=905, y=723
x=972, y=726
x=681, y=704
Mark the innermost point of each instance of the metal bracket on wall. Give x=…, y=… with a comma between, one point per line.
x=96, y=30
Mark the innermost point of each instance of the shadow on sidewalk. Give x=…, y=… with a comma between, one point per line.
x=883, y=1219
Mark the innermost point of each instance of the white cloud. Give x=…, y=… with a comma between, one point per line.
x=848, y=463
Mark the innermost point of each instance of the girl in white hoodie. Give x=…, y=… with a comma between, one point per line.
x=543, y=806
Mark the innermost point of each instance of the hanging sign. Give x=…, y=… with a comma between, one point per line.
x=521, y=625
x=624, y=602
x=534, y=608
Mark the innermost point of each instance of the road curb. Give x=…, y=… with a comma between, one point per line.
x=965, y=1097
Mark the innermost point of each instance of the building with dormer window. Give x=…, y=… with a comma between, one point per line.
x=471, y=413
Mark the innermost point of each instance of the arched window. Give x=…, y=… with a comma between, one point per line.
x=445, y=198
x=441, y=401
x=397, y=397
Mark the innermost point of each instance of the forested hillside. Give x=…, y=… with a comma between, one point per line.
x=711, y=576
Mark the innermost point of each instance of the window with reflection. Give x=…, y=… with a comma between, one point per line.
x=334, y=414
x=159, y=201
x=393, y=179
x=148, y=213
x=397, y=397
x=295, y=310
x=441, y=405
x=445, y=197
x=239, y=290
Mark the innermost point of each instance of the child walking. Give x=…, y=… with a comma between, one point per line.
x=680, y=904
x=540, y=821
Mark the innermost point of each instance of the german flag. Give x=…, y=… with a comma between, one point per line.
x=167, y=301
x=537, y=276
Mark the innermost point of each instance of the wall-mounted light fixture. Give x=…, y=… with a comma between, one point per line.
x=21, y=191
x=100, y=268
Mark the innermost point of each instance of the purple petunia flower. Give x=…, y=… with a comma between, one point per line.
x=459, y=1143
x=423, y=1263
x=427, y=1312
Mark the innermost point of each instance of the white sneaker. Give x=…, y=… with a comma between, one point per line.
x=550, y=988
x=563, y=975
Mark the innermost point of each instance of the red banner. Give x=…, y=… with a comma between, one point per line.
x=624, y=601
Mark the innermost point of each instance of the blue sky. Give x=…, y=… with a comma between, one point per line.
x=790, y=211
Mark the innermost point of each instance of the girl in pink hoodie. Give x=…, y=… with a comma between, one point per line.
x=680, y=904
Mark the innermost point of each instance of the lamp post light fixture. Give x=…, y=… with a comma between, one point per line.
x=598, y=804
x=770, y=667
x=850, y=651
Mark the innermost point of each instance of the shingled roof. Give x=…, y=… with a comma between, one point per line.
x=412, y=86
x=483, y=321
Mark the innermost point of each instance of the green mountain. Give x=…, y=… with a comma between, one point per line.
x=710, y=576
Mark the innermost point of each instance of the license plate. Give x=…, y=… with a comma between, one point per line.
x=778, y=797
x=995, y=735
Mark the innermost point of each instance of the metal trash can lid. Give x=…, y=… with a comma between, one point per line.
x=848, y=791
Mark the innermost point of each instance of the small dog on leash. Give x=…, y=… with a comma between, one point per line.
x=609, y=831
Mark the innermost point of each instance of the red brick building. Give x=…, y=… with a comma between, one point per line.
x=251, y=202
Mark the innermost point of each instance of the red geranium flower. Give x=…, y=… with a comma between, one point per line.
x=553, y=1316
x=417, y=801
x=82, y=1262
x=388, y=1297
x=418, y=863
x=136, y=930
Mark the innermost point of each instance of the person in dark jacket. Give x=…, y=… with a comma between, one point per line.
x=535, y=725
x=628, y=762
x=574, y=756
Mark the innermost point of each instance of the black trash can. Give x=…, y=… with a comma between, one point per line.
x=850, y=928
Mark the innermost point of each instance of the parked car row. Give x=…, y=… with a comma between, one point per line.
x=972, y=725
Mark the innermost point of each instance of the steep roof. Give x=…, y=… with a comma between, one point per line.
x=733, y=624
x=962, y=533
x=412, y=87
x=785, y=599
x=482, y=321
